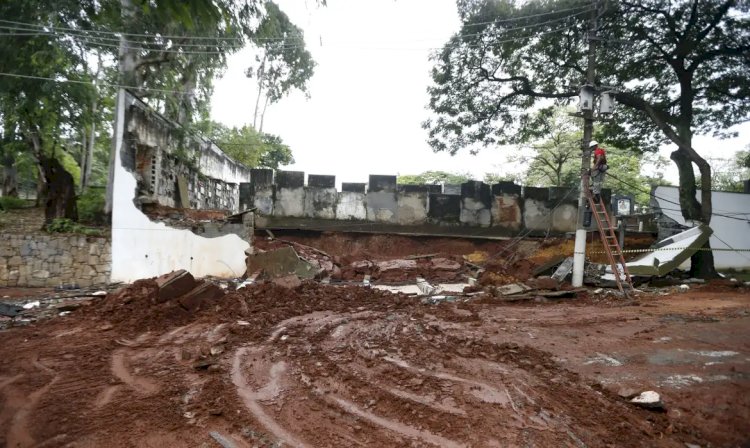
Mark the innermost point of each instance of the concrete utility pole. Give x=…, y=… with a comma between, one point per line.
x=127, y=62
x=579, y=251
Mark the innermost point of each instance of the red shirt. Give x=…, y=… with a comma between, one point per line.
x=599, y=152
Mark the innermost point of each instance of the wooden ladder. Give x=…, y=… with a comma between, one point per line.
x=611, y=246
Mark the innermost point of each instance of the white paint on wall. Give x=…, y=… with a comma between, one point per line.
x=351, y=205
x=730, y=223
x=142, y=248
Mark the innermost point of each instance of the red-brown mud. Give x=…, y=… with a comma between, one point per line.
x=348, y=366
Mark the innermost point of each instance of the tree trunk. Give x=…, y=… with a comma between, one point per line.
x=702, y=263
x=261, y=72
x=10, y=177
x=263, y=116
x=61, y=193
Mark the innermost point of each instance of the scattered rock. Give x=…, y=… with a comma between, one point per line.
x=288, y=281
x=544, y=283
x=174, y=284
x=649, y=400
x=627, y=392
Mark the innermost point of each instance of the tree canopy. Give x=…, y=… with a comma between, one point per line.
x=433, y=178
x=677, y=68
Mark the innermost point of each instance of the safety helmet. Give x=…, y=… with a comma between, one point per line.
x=593, y=143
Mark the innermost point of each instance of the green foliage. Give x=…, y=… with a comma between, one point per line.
x=493, y=178
x=677, y=64
x=285, y=63
x=433, y=178
x=91, y=206
x=64, y=225
x=248, y=146
x=11, y=203
x=729, y=174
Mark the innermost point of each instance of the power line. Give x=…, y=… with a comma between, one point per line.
x=37, y=26
x=75, y=81
x=177, y=48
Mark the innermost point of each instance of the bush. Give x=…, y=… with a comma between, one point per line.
x=65, y=225
x=91, y=206
x=10, y=203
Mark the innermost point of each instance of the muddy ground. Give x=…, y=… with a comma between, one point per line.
x=347, y=366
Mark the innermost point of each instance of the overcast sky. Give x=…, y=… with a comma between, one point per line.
x=368, y=94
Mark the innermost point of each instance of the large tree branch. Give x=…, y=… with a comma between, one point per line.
x=662, y=120
x=742, y=50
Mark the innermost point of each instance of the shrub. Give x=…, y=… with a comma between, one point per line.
x=91, y=207
x=10, y=203
x=64, y=225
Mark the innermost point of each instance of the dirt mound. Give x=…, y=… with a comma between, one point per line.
x=313, y=365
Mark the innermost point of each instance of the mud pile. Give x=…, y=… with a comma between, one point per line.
x=314, y=365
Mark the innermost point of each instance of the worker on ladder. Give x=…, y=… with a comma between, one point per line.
x=598, y=169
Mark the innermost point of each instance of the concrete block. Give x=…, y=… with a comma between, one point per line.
x=537, y=194
x=321, y=181
x=505, y=187
x=289, y=201
x=290, y=179
x=444, y=208
x=382, y=206
x=353, y=187
x=565, y=218
x=506, y=211
x=536, y=214
x=174, y=284
x=412, y=208
x=379, y=183
x=419, y=188
x=476, y=204
x=320, y=202
x=261, y=177
x=351, y=205
x=452, y=189
x=201, y=296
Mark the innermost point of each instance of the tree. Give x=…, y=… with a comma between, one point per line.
x=680, y=68
x=551, y=157
x=729, y=174
x=433, y=178
x=284, y=63
x=247, y=146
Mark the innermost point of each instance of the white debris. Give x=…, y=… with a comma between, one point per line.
x=243, y=323
x=64, y=313
x=601, y=358
x=31, y=305
x=679, y=381
x=684, y=287
x=99, y=293
x=648, y=399
x=715, y=354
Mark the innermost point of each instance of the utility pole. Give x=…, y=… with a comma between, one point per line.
x=579, y=251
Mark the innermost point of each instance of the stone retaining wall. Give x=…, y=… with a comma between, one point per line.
x=39, y=260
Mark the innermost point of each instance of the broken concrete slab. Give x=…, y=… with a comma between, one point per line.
x=670, y=253
x=280, y=263
x=200, y=295
x=392, y=265
x=512, y=289
x=549, y=267
x=445, y=264
x=174, y=284
x=564, y=270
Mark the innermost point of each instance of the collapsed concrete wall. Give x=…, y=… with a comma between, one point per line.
x=730, y=223
x=284, y=200
x=156, y=162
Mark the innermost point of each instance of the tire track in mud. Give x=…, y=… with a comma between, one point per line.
x=385, y=371
x=121, y=370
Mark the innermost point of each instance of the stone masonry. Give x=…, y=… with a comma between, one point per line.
x=41, y=260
